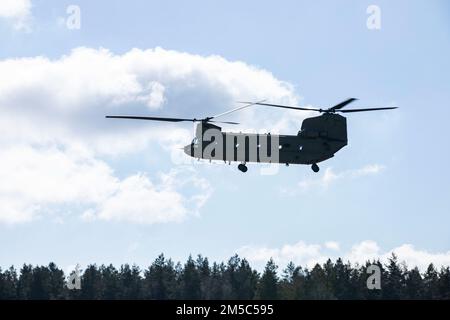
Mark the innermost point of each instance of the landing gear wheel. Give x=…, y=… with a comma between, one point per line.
x=242, y=167
x=315, y=167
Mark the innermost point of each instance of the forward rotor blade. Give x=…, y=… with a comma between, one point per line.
x=248, y=104
x=366, y=109
x=343, y=104
x=167, y=119
x=285, y=107
x=151, y=118
x=227, y=122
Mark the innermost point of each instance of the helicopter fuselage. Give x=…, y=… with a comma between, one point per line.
x=318, y=140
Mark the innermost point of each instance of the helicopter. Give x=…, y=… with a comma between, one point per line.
x=319, y=138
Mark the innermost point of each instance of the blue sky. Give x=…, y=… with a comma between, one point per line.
x=387, y=190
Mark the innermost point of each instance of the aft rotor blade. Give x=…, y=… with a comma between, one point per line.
x=151, y=118
x=343, y=104
x=366, y=109
x=285, y=107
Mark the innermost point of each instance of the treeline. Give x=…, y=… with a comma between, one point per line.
x=198, y=279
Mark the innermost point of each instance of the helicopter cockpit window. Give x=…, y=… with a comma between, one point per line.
x=195, y=141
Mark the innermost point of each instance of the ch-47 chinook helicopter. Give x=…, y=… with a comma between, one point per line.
x=318, y=140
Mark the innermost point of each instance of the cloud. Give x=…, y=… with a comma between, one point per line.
x=299, y=253
x=308, y=255
x=66, y=99
x=58, y=150
x=35, y=181
x=136, y=199
x=364, y=251
x=156, y=97
x=330, y=176
x=332, y=245
x=34, y=178
x=18, y=12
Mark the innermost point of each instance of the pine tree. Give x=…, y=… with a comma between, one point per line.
x=358, y=282
x=92, y=286
x=372, y=294
x=443, y=285
x=204, y=274
x=160, y=280
x=268, y=283
x=231, y=283
x=111, y=282
x=190, y=281
x=318, y=285
x=393, y=287
x=247, y=280
x=217, y=281
x=430, y=280
x=341, y=289
x=8, y=284
x=130, y=282
x=414, y=285
x=330, y=278
x=292, y=284
x=57, y=284
x=25, y=282
x=40, y=284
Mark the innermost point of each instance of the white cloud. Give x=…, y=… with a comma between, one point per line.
x=330, y=176
x=34, y=180
x=364, y=251
x=66, y=99
x=138, y=200
x=308, y=255
x=156, y=98
x=16, y=11
x=421, y=258
x=299, y=253
x=56, y=145
x=332, y=245
x=369, y=250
